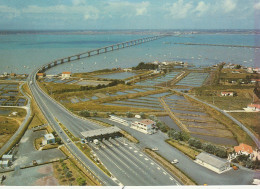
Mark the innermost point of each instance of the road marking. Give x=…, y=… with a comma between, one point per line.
x=130, y=147
x=152, y=163
x=135, y=151
x=146, y=159
x=158, y=168
x=141, y=155
x=164, y=173
x=171, y=178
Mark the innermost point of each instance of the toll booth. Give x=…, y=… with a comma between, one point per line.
x=101, y=134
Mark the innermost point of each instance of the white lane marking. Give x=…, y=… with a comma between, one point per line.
x=152, y=163
x=158, y=168
x=130, y=147
x=135, y=151
x=171, y=178
x=141, y=155
x=164, y=173
x=146, y=159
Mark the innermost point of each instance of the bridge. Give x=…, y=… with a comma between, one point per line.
x=99, y=51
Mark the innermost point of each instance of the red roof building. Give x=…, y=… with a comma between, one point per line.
x=243, y=149
x=227, y=93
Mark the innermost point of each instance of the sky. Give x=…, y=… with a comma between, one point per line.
x=129, y=14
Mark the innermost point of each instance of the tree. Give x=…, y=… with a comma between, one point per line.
x=176, y=135
x=81, y=181
x=142, y=115
x=195, y=143
x=209, y=148
x=58, y=140
x=221, y=152
x=170, y=132
x=129, y=114
x=95, y=114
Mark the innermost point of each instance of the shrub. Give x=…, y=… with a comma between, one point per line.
x=81, y=181
x=209, y=148
x=84, y=113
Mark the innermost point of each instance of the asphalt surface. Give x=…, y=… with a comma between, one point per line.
x=198, y=173
x=26, y=151
x=51, y=110
x=130, y=165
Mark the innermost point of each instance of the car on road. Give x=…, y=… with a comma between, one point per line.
x=175, y=161
x=68, y=140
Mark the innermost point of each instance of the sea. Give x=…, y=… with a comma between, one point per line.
x=22, y=52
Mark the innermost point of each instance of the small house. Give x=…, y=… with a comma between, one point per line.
x=253, y=107
x=212, y=162
x=243, y=149
x=66, y=75
x=4, y=163
x=227, y=93
x=49, y=138
x=40, y=75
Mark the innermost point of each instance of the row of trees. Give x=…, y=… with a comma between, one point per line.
x=87, y=88
x=144, y=66
x=207, y=147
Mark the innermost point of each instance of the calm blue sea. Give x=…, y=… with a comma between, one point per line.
x=21, y=53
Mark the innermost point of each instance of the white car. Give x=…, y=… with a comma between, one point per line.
x=174, y=161
x=68, y=140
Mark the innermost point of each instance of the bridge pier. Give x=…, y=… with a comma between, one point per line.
x=78, y=56
x=98, y=51
x=105, y=49
x=61, y=61
x=55, y=63
x=69, y=59
x=88, y=54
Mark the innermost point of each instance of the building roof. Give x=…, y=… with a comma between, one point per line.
x=147, y=122
x=7, y=156
x=49, y=136
x=4, y=162
x=40, y=74
x=66, y=72
x=211, y=159
x=254, y=106
x=244, y=148
x=227, y=92
x=99, y=132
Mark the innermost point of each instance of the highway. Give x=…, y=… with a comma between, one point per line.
x=130, y=165
x=51, y=111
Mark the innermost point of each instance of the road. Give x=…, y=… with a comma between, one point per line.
x=198, y=173
x=130, y=165
x=22, y=126
x=52, y=110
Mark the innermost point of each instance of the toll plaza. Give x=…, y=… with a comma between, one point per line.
x=106, y=133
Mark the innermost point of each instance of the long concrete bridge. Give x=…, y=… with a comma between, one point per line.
x=99, y=51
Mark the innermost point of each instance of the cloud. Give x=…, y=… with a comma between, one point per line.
x=180, y=9
x=201, y=8
x=228, y=5
x=257, y=6
x=142, y=8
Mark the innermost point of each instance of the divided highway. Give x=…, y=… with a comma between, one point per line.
x=51, y=110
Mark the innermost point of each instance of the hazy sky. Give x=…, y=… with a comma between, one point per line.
x=131, y=14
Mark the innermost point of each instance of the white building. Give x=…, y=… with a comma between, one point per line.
x=66, y=75
x=119, y=120
x=8, y=157
x=49, y=138
x=252, y=108
x=213, y=163
x=146, y=126
x=4, y=163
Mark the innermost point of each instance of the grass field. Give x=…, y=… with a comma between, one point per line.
x=184, y=148
x=7, y=128
x=250, y=119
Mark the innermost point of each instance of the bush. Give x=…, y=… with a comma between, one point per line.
x=129, y=114
x=81, y=181
x=58, y=140
x=195, y=143
x=84, y=113
x=220, y=152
